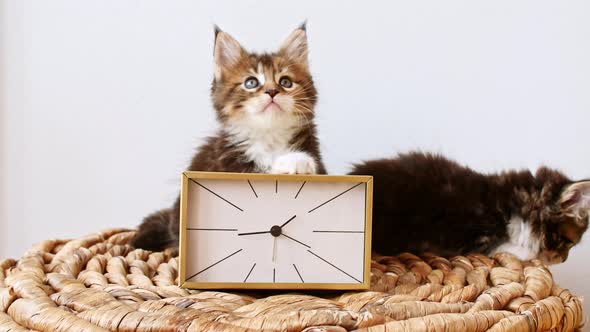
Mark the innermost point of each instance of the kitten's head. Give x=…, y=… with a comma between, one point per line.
x=263, y=90
x=567, y=222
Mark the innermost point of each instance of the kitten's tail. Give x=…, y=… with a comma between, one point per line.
x=153, y=233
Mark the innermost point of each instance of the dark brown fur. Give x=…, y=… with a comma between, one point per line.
x=223, y=152
x=424, y=202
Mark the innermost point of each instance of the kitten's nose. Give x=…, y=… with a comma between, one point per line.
x=272, y=92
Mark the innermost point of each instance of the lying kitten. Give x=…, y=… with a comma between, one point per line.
x=424, y=202
x=264, y=103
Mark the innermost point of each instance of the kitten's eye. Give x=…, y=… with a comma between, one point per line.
x=567, y=242
x=285, y=82
x=251, y=83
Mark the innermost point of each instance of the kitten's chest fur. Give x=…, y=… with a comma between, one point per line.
x=520, y=239
x=262, y=145
x=252, y=149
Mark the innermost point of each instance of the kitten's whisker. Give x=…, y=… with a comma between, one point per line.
x=302, y=112
x=302, y=108
x=306, y=86
x=302, y=116
x=305, y=89
x=303, y=97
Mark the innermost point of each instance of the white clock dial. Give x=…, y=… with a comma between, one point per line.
x=256, y=231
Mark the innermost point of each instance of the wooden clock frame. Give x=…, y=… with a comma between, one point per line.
x=186, y=176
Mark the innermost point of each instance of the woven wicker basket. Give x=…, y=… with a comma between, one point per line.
x=99, y=283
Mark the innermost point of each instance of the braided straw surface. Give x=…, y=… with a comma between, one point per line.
x=99, y=283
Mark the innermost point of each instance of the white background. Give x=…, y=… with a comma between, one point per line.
x=103, y=102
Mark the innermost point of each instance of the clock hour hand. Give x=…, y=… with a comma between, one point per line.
x=252, y=233
x=288, y=221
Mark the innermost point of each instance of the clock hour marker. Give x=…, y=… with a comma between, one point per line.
x=299, y=274
x=338, y=231
x=214, y=193
x=214, y=229
x=273, y=275
x=298, y=191
x=212, y=265
x=303, y=244
x=250, y=272
x=333, y=198
x=334, y=266
x=254, y=191
x=276, y=186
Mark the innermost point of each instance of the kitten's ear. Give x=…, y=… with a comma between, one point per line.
x=575, y=199
x=295, y=46
x=227, y=52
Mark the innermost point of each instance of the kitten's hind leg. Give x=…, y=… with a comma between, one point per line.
x=153, y=233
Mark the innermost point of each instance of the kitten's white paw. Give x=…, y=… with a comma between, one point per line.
x=294, y=163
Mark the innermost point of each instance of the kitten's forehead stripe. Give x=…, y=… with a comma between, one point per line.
x=266, y=60
x=276, y=67
x=260, y=74
x=270, y=83
x=260, y=68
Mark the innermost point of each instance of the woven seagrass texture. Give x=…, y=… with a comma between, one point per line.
x=99, y=283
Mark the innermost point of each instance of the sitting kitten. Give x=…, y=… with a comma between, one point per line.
x=264, y=103
x=424, y=202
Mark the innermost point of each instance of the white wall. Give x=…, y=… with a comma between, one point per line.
x=104, y=101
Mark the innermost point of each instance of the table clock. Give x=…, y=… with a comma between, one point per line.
x=270, y=231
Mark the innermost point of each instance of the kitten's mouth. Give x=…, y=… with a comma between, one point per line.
x=272, y=107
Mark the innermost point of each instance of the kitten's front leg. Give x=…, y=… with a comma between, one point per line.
x=294, y=163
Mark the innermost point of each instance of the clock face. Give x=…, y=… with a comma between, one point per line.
x=275, y=231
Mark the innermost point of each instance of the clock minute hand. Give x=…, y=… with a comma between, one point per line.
x=288, y=221
x=301, y=243
x=252, y=233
